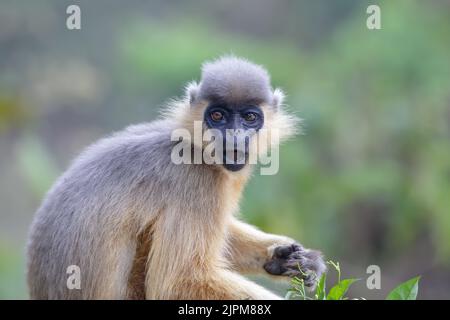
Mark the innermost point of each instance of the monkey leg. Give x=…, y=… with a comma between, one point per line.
x=189, y=263
x=253, y=251
x=219, y=284
x=227, y=285
x=110, y=270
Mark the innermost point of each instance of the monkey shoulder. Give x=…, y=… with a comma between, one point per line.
x=138, y=156
x=132, y=165
x=137, y=151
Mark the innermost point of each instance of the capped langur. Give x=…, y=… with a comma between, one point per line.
x=140, y=226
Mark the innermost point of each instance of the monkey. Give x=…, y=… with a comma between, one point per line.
x=139, y=226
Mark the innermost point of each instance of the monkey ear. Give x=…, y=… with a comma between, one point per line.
x=278, y=98
x=191, y=91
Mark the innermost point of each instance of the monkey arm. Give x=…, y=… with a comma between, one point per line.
x=249, y=248
x=253, y=251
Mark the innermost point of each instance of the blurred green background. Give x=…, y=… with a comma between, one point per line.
x=368, y=181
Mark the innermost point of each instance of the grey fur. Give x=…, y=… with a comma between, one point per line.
x=231, y=79
x=83, y=214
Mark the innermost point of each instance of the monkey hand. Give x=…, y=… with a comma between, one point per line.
x=295, y=261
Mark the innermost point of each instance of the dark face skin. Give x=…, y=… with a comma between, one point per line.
x=243, y=117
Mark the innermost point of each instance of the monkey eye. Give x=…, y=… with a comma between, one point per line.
x=250, y=116
x=216, y=115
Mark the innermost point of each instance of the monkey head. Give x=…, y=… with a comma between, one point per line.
x=235, y=98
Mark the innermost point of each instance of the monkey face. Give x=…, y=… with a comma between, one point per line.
x=237, y=124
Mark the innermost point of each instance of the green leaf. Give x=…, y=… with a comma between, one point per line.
x=339, y=290
x=321, y=288
x=405, y=291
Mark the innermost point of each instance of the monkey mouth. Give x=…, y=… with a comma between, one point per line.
x=235, y=156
